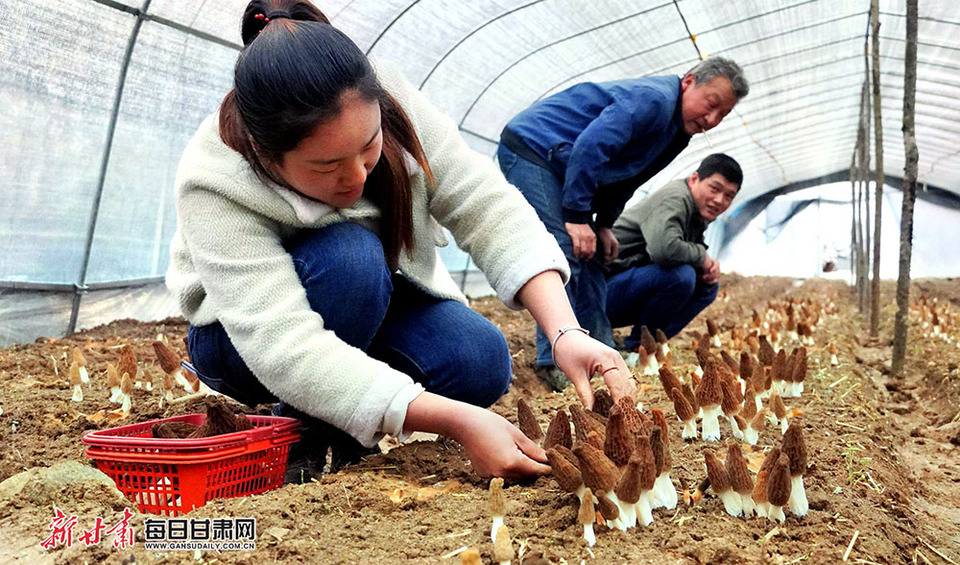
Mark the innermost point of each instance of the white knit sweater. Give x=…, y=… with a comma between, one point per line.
x=228, y=263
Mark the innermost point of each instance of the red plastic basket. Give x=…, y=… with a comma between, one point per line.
x=173, y=476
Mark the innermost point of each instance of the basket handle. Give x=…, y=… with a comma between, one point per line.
x=203, y=457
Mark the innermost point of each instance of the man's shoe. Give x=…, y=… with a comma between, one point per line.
x=554, y=377
x=308, y=457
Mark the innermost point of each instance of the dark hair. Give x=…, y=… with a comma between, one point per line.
x=289, y=78
x=724, y=164
x=714, y=67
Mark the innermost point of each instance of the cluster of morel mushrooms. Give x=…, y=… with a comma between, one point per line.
x=617, y=460
x=121, y=379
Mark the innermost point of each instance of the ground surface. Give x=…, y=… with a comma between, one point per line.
x=884, y=463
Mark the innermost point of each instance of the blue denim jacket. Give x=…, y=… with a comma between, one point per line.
x=615, y=135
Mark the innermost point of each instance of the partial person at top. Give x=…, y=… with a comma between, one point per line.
x=664, y=276
x=579, y=155
x=309, y=211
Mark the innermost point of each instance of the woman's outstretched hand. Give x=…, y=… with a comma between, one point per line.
x=580, y=356
x=496, y=447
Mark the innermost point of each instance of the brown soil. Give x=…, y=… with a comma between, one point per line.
x=882, y=454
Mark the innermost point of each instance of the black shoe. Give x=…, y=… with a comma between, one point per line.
x=309, y=457
x=554, y=377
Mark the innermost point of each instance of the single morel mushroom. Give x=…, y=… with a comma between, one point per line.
x=81, y=364
x=128, y=365
x=527, y=422
x=778, y=370
x=832, y=349
x=602, y=402
x=665, y=491
x=503, y=546
x=586, y=517
x=584, y=424
x=778, y=411
x=470, y=556
x=558, y=432
x=721, y=484
x=662, y=342
x=796, y=449
x=611, y=513
x=631, y=415
x=649, y=344
x=740, y=480
x=497, y=505
x=619, y=439
x=752, y=433
x=688, y=392
x=778, y=488
x=714, y=332
x=170, y=365
x=113, y=381
x=668, y=380
x=685, y=414
x=566, y=473
x=799, y=371
x=761, y=506
x=732, y=363
x=730, y=405
x=75, y=380
x=765, y=352
x=709, y=396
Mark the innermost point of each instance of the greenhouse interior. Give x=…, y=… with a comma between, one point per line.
x=101, y=97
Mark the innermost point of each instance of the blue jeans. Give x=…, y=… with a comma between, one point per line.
x=587, y=289
x=664, y=298
x=442, y=344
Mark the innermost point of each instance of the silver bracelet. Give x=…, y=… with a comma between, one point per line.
x=560, y=332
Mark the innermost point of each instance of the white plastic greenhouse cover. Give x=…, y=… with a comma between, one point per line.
x=87, y=200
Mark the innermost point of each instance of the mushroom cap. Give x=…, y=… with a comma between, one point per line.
x=766, y=353
x=776, y=405
x=760, y=488
x=503, y=546
x=732, y=363
x=668, y=379
x=770, y=459
x=728, y=400
x=691, y=396
x=126, y=384
x=599, y=473
x=712, y=328
x=800, y=364
x=648, y=466
x=795, y=448
x=128, y=361
x=779, y=365
x=661, y=337
x=169, y=361
x=749, y=409
x=682, y=406
x=564, y=472
x=628, y=487
x=113, y=377
x=631, y=415
x=746, y=366
x=659, y=419
x=567, y=453
x=527, y=422
x=583, y=424
x=647, y=341
x=778, y=482
x=710, y=393
x=607, y=508
x=737, y=470
x=586, y=515
x=715, y=471
x=497, y=504
x=658, y=449
x=602, y=402
x=470, y=557
x=78, y=357
x=75, y=374
x=619, y=441
x=558, y=432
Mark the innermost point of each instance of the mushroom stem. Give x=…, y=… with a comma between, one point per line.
x=731, y=502
x=711, y=423
x=735, y=428
x=798, y=503
x=77, y=393
x=589, y=535
x=497, y=522
x=644, y=508
x=664, y=492
x=749, y=506
x=776, y=514
x=689, y=429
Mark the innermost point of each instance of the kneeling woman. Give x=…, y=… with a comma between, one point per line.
x=309, y=211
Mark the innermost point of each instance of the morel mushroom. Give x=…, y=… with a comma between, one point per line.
x=75, y=380
x=503, y=546
x=566, y=473
x=81, y=364
x=558, y=432
x=796, y=449
x=685, y=414
x=709, y=396
x=527, y=422
x=586, y=517
x=740, y=480
x=497, y=505
x=720, y=484
x=778, y=488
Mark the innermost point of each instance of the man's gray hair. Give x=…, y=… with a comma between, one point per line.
x=715, y=67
